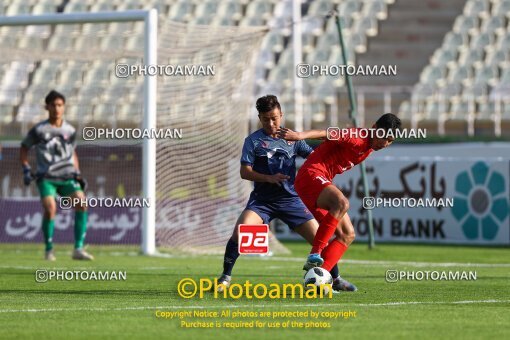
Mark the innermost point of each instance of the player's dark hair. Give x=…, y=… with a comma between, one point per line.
x=267, y=103
x=388, y=121
x=50, y=97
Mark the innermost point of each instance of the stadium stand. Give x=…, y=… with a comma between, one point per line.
x=94, y=84
x=466, y=80
x=463, y=52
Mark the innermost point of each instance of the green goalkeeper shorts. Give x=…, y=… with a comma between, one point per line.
x=63, y=188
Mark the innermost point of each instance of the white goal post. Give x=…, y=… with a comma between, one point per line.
x=150, y=19
x=191, y=181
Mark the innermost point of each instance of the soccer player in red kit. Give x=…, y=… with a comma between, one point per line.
x=326, y=202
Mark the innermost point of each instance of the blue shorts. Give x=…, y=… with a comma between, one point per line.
x=290, y=210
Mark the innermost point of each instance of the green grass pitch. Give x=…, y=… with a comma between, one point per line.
x=126, y=309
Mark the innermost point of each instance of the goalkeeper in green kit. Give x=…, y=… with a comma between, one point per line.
x=57, y=172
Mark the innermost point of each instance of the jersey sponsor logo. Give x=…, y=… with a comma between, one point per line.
x=351, y=164
x=253, y=239
x=323, y=179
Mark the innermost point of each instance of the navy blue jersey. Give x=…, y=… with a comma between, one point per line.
x=268, y=155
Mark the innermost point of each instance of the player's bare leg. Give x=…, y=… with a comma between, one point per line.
x=80, y=226
x=48, y=227
x=232, y=248
x=333, y=200
x=307, y=231
x=344, y=236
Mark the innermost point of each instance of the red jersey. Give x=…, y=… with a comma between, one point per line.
x=333, y=157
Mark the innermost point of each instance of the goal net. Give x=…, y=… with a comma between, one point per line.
x=204, y=97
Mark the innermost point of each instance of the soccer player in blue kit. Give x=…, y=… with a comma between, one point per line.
x=270, y=162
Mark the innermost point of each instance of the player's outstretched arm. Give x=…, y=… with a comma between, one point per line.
x=290, y=135
x=249, y=174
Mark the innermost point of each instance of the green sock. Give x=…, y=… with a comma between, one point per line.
x=48, y=226
x=80, y=227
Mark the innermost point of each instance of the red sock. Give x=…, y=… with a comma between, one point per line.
x=333, y=253
x=326, y=230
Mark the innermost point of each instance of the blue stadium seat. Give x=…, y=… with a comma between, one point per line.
x=230, y=9
x=262, y=9
x=273, y=41
x=42, y=8
x=460, y=108
x=348, y=7
x=223, y=21
x=320, y=8
x=283, y=9
x=443, y=56
x=496, y=57
x=455, y=39
x=102, y=6
x=494, y=24
x=477, y=8
x=405, y=110
x=312, y=25
x=318, y=56
x=468, y=57
x=286, y=58
x=501, y=7
x=181, y=11
x=503, y=42
x=459, y=74
x=18, y=9
x=482, y=40
x=465, y=24
x=325, y=90
x=336, y=58
x=358, y=40
x=252, y=21
x=206, y=9
x=486, y=74
x=76, y=6
x=366, y=25
x=327, y=41
x=376, y=9
x=282, y=76
x=505, y=77
x=431, y=74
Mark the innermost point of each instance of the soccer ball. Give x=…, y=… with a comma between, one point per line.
x=318, y=276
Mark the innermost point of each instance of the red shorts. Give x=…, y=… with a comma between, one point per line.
x=309, y=185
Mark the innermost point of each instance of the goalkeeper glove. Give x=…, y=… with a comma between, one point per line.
x=83, y=182
x=27, y=175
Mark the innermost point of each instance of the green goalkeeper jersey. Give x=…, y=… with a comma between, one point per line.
x=54, y=149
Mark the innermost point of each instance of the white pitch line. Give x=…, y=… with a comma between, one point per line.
x=387, y=264
x=429, y=264
x=381, y=263
x=401, y=263
x=377, y=262
x=388, y=304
